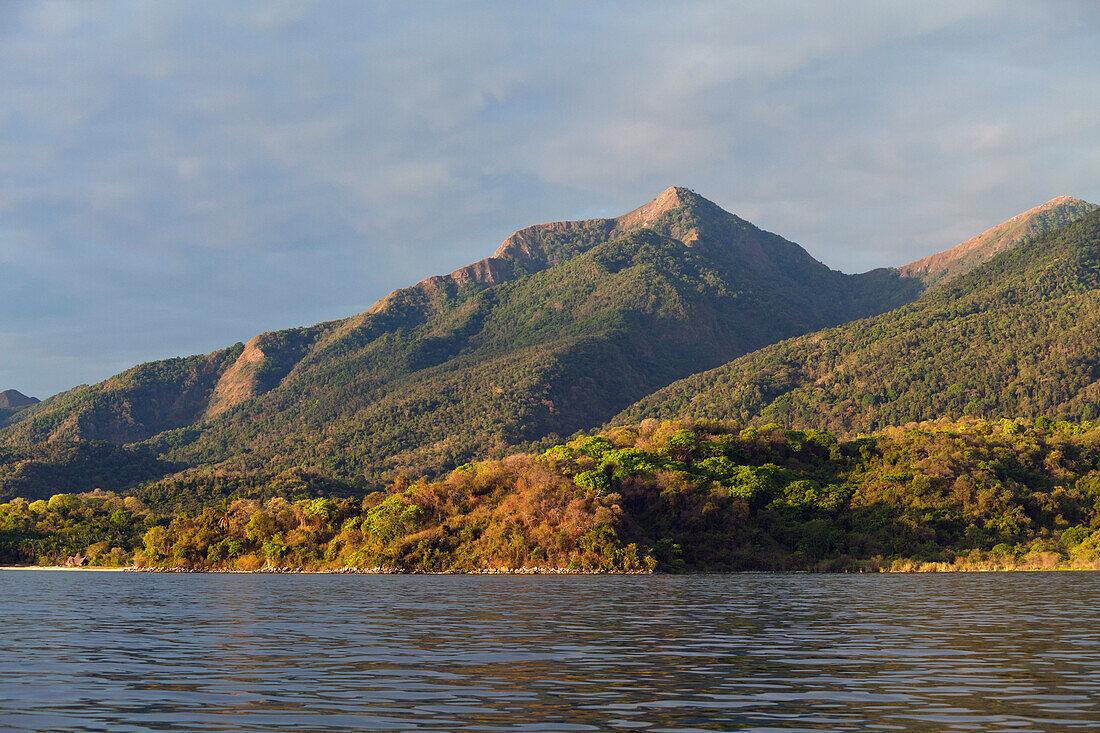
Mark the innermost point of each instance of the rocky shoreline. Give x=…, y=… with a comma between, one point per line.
x=389, y=571
x=334, y=571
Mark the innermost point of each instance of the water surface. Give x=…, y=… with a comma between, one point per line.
x=145, y=652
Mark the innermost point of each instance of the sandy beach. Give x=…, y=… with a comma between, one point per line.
x=61, y=567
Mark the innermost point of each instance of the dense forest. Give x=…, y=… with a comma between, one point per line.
x=666, y=496
x=41, y=470
x=1018, y=336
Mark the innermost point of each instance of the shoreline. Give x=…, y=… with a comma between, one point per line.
x=336, y=571
x=523, y=571
x=62, y=568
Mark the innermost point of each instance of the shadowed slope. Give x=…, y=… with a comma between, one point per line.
x=12, y=398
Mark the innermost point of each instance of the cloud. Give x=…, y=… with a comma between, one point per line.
x=176, y=177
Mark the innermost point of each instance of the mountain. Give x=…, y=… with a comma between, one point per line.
x=11, y=398
x=12, y=402
x=128, y=407
x=939, y=268
x=564, y=326
x=1018, y=336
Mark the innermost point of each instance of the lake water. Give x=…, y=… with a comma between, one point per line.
x=143, y=652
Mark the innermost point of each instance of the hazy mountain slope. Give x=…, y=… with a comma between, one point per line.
x=564, y=326
x=943, y=266
x=11, y=403
x=12, y=398
x=1018, y=336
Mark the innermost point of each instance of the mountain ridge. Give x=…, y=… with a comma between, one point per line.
x=567, y=324
x=1018, y=336
x=940, y=267
x=13, y=398
x=564, y=327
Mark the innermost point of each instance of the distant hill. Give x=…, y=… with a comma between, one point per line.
x=564, y=326
x=13, y=398
x=1018, y=336
x=941, y=267
x=12, y=402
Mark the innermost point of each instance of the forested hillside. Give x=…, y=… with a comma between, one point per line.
x=567, y=324
x=655, y=496
x=1019, y=337
x=128, y=407
x=44, y=469
x=300, y=449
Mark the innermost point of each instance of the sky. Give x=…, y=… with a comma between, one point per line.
x=176, y=177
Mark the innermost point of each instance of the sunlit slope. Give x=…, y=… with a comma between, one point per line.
x=939, y=268
x=1018, y=336
x=128, y=407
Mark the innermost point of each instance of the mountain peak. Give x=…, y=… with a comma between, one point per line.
x=677, y=212
x=527, y=247
x=1063, y=200
x=15, y=398
x=673, y=197
x=1055, y=203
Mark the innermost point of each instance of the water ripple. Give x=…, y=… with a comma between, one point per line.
x=137, y=652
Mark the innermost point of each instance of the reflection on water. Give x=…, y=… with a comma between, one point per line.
x=140, y=652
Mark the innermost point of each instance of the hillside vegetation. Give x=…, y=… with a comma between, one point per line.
x=654, y=496
x=128, y=407
x=346, y=444
x=1018, y=336
x=44, y=469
